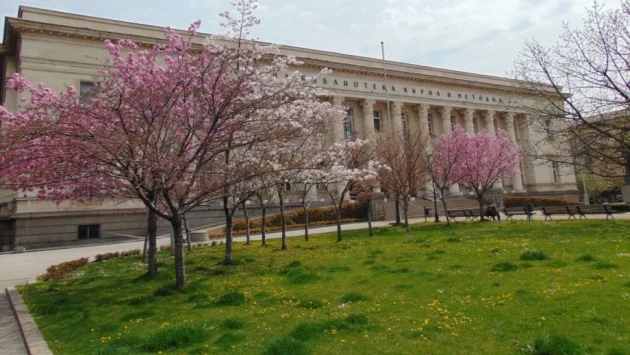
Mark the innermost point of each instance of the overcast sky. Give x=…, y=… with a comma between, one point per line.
x=481, y=36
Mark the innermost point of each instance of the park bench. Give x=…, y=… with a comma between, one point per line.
x=595, y=209
x=518, y=211
x=454, y=214
x=473, y=214
x=549, y=211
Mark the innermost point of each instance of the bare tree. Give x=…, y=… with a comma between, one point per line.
x=405, y=168
x=580, y=116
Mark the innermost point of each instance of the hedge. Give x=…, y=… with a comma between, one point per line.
x=59, y=271
x=114, y=255
x=355, y=210
x=622, y=207
x=277, y=228
x=522, y=201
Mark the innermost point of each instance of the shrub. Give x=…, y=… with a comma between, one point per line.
x=106, y=256
x=621, y=207
x=165, y=247
x=522, y=201
x=348, y=211
x=114, y=255
x=269, y=229
x=59, y=271
x=534, y=255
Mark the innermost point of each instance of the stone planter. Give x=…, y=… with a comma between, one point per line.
x=199, y=237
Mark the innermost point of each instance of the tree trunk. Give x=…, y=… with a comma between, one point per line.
x=481, y=214
x=144, y=248
x=180, y=271
x=406, y=214
x=228, y=232
x=263, y=224
x=369, y=217
x=338, y=213
x=247, y=233
x=448, y=219
x=188, y=242
x=305, y=223
x=282, y=220
x=152, y=219
x=397, y=207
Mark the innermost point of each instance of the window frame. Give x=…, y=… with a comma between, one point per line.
x=377, y=116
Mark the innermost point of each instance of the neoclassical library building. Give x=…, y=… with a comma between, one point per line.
x=62, y=49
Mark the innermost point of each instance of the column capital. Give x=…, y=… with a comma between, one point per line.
x=468, y=114
x=338, y=100
x=367, y=104
x=490, y=113
x=422, y=108
x=509, y=118
x=446, y=109
x=397, y=105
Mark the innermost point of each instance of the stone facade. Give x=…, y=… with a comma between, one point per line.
x=61, y=49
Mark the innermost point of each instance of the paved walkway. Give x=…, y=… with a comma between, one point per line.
x=11, y=342
x=16, y=269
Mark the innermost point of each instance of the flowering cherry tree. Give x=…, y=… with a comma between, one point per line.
x=485, y=160
x=343, y=165
x=156, y=124
x=442, y=161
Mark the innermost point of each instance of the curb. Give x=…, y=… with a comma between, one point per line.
x=33, y=338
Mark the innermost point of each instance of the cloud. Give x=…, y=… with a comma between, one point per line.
x=482, y=36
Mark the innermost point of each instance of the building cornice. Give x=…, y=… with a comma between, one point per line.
x=311, y=58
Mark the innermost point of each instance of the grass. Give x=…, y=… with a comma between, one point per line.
x=472, y=288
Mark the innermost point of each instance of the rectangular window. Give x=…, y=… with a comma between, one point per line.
x=89, y=231
x=85, y=88
x=548, y=127
x=287, y=186
x=452, y=122
x=556, y=172
x=475, y=129
x=430, y=122
x=377, y=120
x=348, y=128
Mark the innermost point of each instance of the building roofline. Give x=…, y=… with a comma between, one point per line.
x=367, y=62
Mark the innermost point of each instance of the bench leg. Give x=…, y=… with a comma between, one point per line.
x=548, y=217
x=582, y=216
x=507, y=218
x=572, y=216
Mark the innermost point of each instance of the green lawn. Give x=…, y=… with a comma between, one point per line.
x=473, y=288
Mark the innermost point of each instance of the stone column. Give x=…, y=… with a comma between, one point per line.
x=489, y=118
x=446, y=120
x=423, y=116
x=338, y=133
x=490, y=123
x=468, y=120
x=397, y=115
x=517, y=182
x=447, y=130
x=368, y=117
